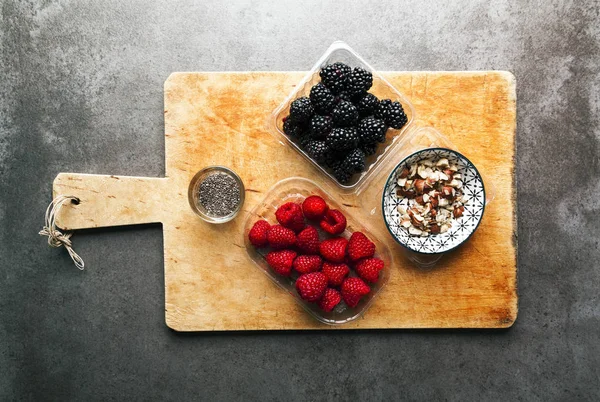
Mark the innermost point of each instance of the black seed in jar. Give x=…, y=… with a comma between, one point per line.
x=219, y=194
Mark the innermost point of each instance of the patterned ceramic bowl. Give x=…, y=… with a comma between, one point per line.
x=462, y=228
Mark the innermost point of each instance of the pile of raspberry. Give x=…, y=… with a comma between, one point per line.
x=340, y=124
x=326, y=271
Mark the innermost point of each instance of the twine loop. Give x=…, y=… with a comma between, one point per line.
x=56, y=238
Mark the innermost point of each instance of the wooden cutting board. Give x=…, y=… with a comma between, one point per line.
x=220, y=119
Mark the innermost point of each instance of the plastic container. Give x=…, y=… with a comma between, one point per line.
x=296, y=190
x=341, y=52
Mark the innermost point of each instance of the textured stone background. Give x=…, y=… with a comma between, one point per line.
x=81, y=90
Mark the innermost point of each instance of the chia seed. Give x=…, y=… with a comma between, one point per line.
x=219, y=194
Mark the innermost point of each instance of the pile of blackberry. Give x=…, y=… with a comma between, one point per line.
x=340, y=124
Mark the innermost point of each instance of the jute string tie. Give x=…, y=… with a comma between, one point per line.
x=55, y=237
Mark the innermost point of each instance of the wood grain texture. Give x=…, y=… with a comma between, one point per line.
x=220, y=118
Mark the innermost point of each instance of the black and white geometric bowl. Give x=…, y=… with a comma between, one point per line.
x=463, y=227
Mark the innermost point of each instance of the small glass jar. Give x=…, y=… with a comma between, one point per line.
x=194, y=194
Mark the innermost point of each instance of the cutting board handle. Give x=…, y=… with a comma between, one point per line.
x=109, y=200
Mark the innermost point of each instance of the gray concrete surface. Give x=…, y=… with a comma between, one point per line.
x=81, y=90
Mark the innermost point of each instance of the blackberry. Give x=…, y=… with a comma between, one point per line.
x=367, y=104
x=317, y=150
x=322, y=98
x=292, y=129
x=392, y=113
x=345, y=114
x=301, y=110
x=355, y=161
x=343, y=96
x=371, y=129
x=341, y=172
x=369, y=149
x=333, y=157
x=359, y=81
x=303, y=141
x=335, y=76
x=342, y=138
x=320, y=126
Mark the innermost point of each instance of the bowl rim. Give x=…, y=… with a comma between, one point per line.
x=387, y=182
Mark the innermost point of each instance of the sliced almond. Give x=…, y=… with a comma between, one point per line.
x=427, y=162
x=454, y=168
x=401, y=182
x=457, y=176
x=420, y=200
x=414, y=231
x=406, y=223
x=442, y=163
x=422, y=172
x=443, y=202
x=444, y=228
x=413, y=170
x=455, y=183
x=401, y=209
x=425, y=198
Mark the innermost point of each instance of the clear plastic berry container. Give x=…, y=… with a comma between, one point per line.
x=296, y=189
x=341, y=52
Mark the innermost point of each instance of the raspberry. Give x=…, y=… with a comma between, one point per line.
x=289, y=215
x=334, y=222
x=353, y=289
x=308, y=241
x=258, y=233
x=281, y=261
x=280, y=237
x=359, y=246
x=335, y=273
x=368, y=269
x=311, y=286
x=314, y=207
x=334, y=249
x=305, y=264
x=330, y=299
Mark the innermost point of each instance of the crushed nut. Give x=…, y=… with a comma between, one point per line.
x=433, y=189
